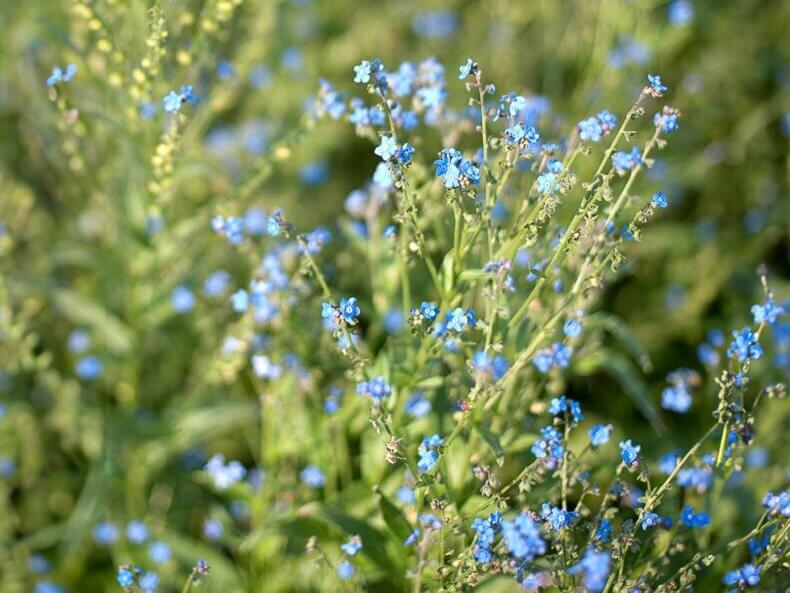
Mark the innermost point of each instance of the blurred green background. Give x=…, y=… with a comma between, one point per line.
x=76, y=251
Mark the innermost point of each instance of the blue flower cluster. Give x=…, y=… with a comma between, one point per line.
x=61, y=74
x=677, y=397
x=623, y=162
x=485, y=365
x=175, y=99
x=556, y=356
x=428, y=452
x=594, y=128
x=376, y=388
x=456, y=171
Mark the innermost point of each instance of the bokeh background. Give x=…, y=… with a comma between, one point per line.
x=77, y=248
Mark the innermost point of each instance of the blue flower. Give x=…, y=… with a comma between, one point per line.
x=467, y=69
x=89, y=368
x=59, y=75
x=159, y=552
x=316, y=239
x=79, y=341
x=676, y=398
x=7, y=467
x=428, y=453
x=125, y=577
x=629, y=453
x=429, y=310
x=547, y=183
x=484, y=365
x=745, y=346
x=524, y=137
x=48, y=587
x=603, y=532
x=667, y=119
x=667, y=462
x=417, y=406
x=314, y=174
x=599, y=434
x=769, y=312
x=680, y=12
x=216, y=283
x=522, y=537
x=696, y=478
x=590, y=129
x=558, y=355
x=175, y=99
x=349, y=310
x=691, y=518
x=594, y=567
x=435, y=24
x=572, y=328
x=649, y=519
x=183, y=300
x=655, y=88
x=607, y=120
x=562, y=404
x=352, y=546
x=365, y=69
x=626, y=161
x=291, y=59
x=404, y=154
x=659, y=200
x=459, y=319
x=386, y=148
x=405, y=495
x=172, y=102
x=376, y=388
x=747, y=575
x=549, y=447
x=312, y=476
x=231, y=227
x=148, y=582
x=393, y=318
x=240, y=301
x=412, y=538
x=382, y=176
x=456, y=171
x=136, y=532
x=224, y=475
x=330, y=101
x=225, y=70
x=38, y=564
x=105, y=533
x=778, y=504
x=345, y=570
x=212, y=529
x=486, y=530
x=556, y=517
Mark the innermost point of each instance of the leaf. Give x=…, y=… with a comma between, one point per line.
x=108, y=328
x=431, y=383
x=493, y=443
x=622, y=371
x=372, y=462
x=447, y=271
x=372, y=538
x=394, y=518
x=624, y=335
x=521, y=442
x=470, y=275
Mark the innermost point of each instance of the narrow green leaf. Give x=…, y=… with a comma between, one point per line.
x=394, y=518
x=623, y=371
x=106, y=326
x=493, y=443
